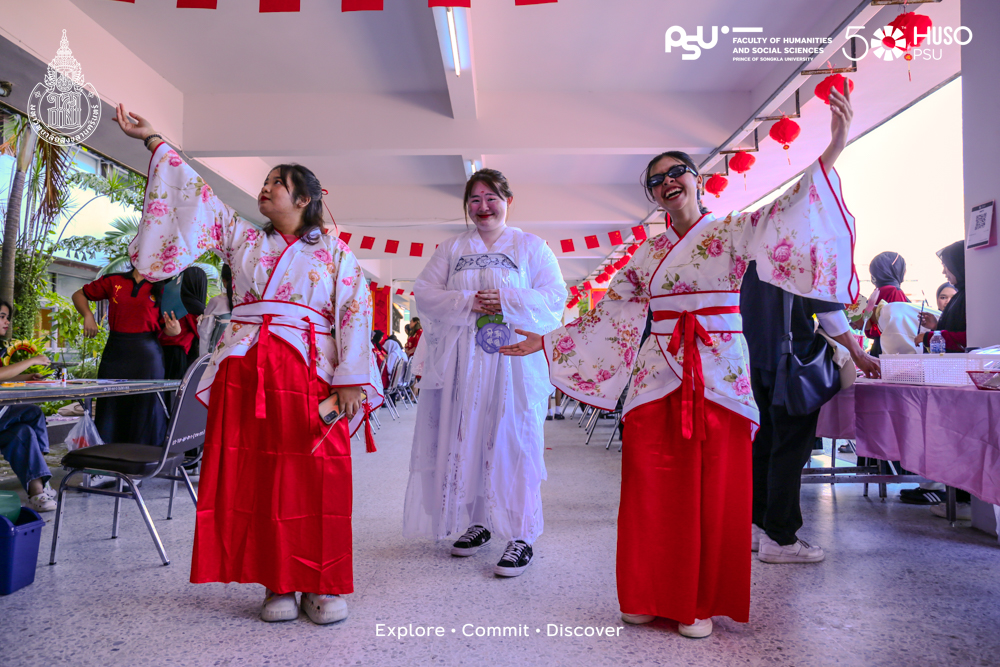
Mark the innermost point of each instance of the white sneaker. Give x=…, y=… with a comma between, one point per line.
x=42, y=503
x=637, y=619
x=323, y=609
x=963, y=511
x=49, y=491
x=799, y=552
x=279, y=607
x=702, y=627
x=755, y=533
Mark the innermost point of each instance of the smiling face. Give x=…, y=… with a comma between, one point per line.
x=487, y=209
x=4, y=320
x=945, y=296
x=276, y=199
x=675, y=195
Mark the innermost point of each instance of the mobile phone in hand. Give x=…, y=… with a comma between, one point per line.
x=329, y=409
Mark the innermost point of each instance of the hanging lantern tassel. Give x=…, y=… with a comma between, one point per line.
x=741, y=163
x=715, y=184
x=785, y=131
x=915, y=28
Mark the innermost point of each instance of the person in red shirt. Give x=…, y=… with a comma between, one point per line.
x=180, y=351
x=132, y=353
x=413, y=336
x=888, y=270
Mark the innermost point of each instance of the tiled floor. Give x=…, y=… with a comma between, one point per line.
x=899, y=587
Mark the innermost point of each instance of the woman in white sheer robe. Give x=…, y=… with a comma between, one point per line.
x=477, y=452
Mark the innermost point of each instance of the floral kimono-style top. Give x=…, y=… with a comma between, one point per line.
x=803, y=243
x=313, y=296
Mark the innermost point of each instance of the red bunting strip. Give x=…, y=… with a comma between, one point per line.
x=367, y=242
x=400, y=291
x=416, y=250
x=567, y=245
x=345, y=237
x=267, y=6
x=615, y=238
x=449, y=3
x=519, y=3
x=197, y=4
x=591, y=241
x=374, y=286
x=361, y=5
x=639, y=231
x=391, y=246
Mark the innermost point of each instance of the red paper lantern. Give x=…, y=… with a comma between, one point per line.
x=833, y=81
x=603, y=278
x=741, y=162
x=716, y=184
x=785, y=131
x=633, y=248
x=915, y=28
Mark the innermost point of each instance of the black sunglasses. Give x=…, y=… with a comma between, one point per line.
x=674, y=172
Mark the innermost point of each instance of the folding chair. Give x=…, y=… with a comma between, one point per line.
x=131, y=464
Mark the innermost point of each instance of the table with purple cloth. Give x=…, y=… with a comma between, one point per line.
x=947, y=434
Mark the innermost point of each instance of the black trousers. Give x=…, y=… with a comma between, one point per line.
x=782, y=447
x=140, y=419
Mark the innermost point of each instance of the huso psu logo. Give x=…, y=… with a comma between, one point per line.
x=693, y=44
x=888, y=43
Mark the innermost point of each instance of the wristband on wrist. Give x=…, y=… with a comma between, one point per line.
x=146, y=141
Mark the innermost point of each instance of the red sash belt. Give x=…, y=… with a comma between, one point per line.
x=690, y=330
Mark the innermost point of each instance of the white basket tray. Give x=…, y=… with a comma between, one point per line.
x=935, y=369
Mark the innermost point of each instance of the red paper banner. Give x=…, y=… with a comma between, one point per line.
x=591, y=241
x=391, y=246
x=400, y=291
x=615, y=237
x=279, y=6
x=449, y=3
x=640, y=232
x=533, y=2
x=367, y=242
x=373, y=286
x=575, y=290
x=416, y=250
x=345, y=237
x=361, y=5
x=567, y=245
x=587, y=285
x=197, y=4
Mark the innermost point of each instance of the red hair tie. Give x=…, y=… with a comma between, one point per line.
x=336, y=226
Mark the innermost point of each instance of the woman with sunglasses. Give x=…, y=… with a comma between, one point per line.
x=685, y=512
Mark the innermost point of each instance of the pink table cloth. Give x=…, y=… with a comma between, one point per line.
x=836, y=417
x=947, y=434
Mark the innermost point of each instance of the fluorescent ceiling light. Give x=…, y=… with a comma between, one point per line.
x=453, y=37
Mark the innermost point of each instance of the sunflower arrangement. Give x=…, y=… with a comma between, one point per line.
x=19, y=350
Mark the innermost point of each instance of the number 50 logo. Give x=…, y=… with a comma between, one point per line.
x=888, y=43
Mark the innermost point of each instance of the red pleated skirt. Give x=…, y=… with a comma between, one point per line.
x=270, y=509
x=685, y=513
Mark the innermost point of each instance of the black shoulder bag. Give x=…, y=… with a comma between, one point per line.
x=802, y=386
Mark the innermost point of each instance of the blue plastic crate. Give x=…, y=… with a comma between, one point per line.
x=19, y=544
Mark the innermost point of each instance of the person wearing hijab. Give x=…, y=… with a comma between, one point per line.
x=888, y=269
x=944, y=293
x=951, y=324
x=217, y=314
x=190, y=290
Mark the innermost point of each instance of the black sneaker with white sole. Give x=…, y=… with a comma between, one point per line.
x=475, y=538
x=515, y=558
x=920, y=496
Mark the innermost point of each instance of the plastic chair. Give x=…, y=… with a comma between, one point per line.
x=131, y=463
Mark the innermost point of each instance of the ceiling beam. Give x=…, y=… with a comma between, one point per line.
x=454, y=31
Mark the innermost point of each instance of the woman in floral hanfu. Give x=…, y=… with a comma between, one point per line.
x=477, y=461
x=275, y=505
x=684, y=519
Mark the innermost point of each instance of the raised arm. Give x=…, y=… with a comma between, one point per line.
x=181, y=218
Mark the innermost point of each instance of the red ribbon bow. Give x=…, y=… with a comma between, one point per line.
x=690, y=330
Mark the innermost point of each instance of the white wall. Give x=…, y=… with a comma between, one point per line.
x=980, y=101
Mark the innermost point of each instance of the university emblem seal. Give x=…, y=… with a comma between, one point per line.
x=63, y=109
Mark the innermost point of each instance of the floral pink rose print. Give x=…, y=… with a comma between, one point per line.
x=754, y=218
x=813, y=195
x=739, y=267
x=284, y=292
x=682, y=287
x=742, y=386
x=586, y=386
x=169, y=252
x=628, y=356
x=216, y=232
x=603, y=374
x=323, y=256
x=783, y=251
x=249, y=297
x=169, y=268
x=157, y=208
x=726, y=337
x=251, y=235
x=661, y=242
x=565, y=345
x=206, y=194
x=269, y=261
x=174, y=159
x=780, y=274
x=714, y=248
x=348, y=281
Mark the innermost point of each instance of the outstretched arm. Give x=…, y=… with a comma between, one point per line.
x=840, y=124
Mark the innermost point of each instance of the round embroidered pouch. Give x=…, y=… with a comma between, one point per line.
x=491, y=337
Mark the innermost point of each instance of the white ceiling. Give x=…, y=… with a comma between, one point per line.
x=569, y=100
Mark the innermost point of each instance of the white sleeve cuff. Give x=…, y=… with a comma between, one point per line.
x=834, y=323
